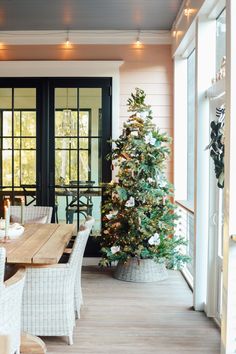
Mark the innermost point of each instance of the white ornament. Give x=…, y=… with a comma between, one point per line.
x=134, y=133
x=150, y=180
x=161, y=181
x=115, y=249
x=111, y=214
x=130, y=202
x=149, y=139
x=154, y=240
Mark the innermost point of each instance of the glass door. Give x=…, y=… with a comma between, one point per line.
x=18, y=144
x=82, y=128
x=54, y=138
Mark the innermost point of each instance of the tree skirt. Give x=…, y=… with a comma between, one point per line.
x=144, y=270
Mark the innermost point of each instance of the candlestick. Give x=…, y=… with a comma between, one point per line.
x=2, y=223
x=22, y=210
x=5, y=208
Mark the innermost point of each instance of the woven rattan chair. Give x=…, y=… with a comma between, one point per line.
x=78, y=289
x=2, y=265
x=48, y=297
x=32, y=214
x=10, y=310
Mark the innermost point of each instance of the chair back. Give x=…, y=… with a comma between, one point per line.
x=78, y=250
x=10, y=305
x=89, y=222
x=32, y=214
x=2, y=264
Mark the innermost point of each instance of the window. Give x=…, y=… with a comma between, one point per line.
x=220, y=39
x=66, y=140
x=190, y=126
x=18, y=137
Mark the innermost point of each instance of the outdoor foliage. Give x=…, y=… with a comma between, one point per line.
x=138, y=215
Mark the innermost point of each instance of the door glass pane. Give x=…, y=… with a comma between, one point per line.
x=18, y=136
x=6, y=98
x=78, y=153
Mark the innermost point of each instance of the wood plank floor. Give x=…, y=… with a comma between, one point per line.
x=136, y=318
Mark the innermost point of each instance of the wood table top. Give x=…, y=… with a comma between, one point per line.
x=39, y=244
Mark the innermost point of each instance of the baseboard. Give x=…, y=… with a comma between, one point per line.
x=88, y=261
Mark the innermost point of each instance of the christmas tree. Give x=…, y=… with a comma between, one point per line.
x=138, y=215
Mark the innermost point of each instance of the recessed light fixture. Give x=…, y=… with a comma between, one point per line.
x=188, y=12
x=138, y=42
x=67, y=40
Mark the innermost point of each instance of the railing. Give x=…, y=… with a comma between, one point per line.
x=185, y=228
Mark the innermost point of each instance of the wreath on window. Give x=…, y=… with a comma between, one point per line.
x=217, y=146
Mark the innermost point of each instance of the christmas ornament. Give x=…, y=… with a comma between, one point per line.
x=149, y=139
x=115, y=249
x=154, y=240
x=130, y=202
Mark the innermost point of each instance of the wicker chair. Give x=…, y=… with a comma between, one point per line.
x=78, y=289
x=48, y=297
x=32, y=214
x=10, y=305
x=2, y=265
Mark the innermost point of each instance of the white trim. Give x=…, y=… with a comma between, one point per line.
x=180, y=133
x=205, y=69
x=83, y=37
x=188, y=277
x=228, y=323
x=70, y=69
x=217, y=90
x=183, y=30
x=217, y=9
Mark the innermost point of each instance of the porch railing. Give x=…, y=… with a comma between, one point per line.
x=185, y=228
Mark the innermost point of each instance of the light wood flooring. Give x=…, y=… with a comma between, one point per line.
x=137, y=318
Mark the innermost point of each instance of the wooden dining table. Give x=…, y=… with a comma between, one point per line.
x=39, y=244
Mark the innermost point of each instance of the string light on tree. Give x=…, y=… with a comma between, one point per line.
x=143, y=223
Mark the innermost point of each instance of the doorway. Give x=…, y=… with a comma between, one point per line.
x=54, y=139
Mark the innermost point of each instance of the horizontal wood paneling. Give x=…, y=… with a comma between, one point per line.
x=150, y=89
x=146, y=77
x=153, y=100
x=149, y=67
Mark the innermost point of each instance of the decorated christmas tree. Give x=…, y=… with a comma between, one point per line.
x=138, y=215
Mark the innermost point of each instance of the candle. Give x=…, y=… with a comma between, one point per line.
x=9, y=210
x=22, y=210
x=7, y=220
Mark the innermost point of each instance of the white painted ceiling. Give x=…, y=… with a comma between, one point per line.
x=24, y=15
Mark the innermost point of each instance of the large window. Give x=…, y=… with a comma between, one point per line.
x=220, y=39
x=190, y=127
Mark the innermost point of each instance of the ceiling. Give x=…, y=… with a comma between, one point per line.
x=25, y=15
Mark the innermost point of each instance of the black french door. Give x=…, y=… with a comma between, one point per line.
x=54, y=138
